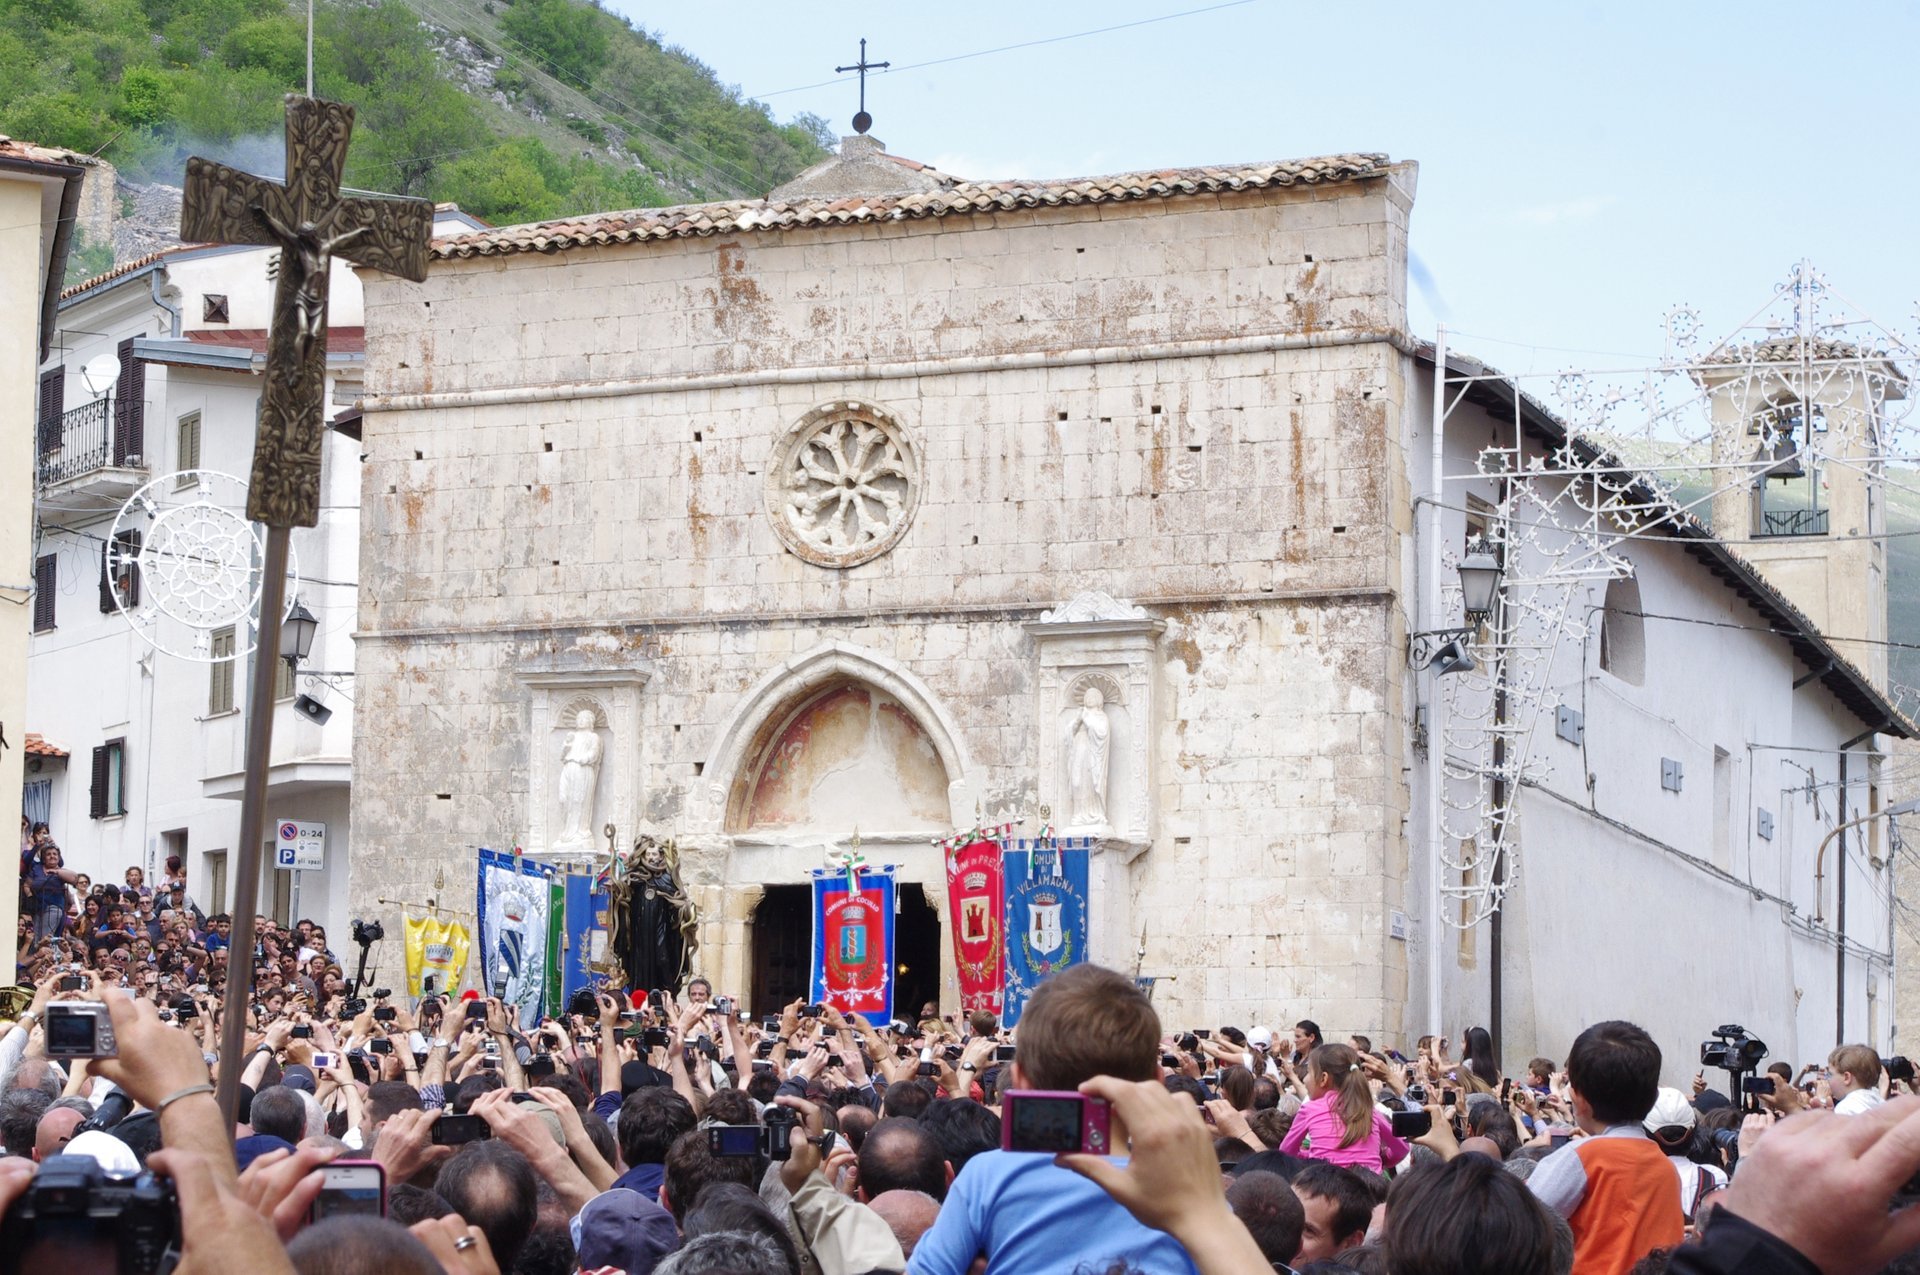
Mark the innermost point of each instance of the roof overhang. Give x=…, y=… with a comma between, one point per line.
x=304, y=777
x=1493, y=391
x=60, y=183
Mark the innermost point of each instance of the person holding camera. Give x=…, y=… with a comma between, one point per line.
x=1030, y=1213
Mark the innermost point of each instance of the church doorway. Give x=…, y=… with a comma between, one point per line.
x=916, y=962
x=783, y=950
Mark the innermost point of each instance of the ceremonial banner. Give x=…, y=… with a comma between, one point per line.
x=976, y=894
x=515, y=905
x=556, y=943
x=438, y=949
x=586, y=934
x=853, y=942
x=1046, y=916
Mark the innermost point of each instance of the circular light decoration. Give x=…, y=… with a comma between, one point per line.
x=182, y=562
x=843, y=484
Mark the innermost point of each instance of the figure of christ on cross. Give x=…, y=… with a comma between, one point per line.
x=309, y=220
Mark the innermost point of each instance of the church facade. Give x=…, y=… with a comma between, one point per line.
x=896, y=504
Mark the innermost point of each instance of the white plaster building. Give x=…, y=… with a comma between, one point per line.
x=137, y=754
x=1681, y=896
x=831, y=509
x=39, y=198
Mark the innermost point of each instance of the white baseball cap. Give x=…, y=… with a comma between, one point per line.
x=1671, y=1110
x=1260, y=1037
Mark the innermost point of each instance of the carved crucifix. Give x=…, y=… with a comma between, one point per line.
x=306, y=218
x=310, y=222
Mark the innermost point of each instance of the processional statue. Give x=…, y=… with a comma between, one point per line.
x=308, y=220
x=652, y=919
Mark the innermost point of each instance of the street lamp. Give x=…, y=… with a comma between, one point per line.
x=1820, y=856
x=296, y=634
x=1479, y=580
x=1445, y=650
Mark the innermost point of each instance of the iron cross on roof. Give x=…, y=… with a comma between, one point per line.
x=862, y=121
x=309, y=221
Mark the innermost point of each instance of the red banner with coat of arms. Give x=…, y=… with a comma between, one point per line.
x=976, y=894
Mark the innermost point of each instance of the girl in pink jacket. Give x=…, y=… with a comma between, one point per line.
x=1339, y=1123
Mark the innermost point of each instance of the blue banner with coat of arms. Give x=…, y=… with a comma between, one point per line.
x=1046, y=915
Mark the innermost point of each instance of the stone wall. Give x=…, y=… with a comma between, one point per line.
x=1192, y=404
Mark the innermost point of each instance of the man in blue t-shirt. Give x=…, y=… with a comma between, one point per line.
x=1019, y=1210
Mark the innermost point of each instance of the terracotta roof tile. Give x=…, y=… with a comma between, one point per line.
x=128, y=267
x=39, y=747
x=953, y=199
x=339, y=340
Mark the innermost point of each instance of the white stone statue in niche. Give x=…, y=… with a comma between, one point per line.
x=579, y=776
x=1089, y=741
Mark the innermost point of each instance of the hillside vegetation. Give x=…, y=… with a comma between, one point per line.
x=516, y=109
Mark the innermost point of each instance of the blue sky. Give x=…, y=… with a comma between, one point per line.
x=1582, y=166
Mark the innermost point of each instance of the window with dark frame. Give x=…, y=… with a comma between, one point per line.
x=46, y=584
x=120, y=572
x=107, y=797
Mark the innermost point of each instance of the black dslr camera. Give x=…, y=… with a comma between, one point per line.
x=1733, y=1049
x=73, y=1216
x=584, y=1004
x=367, y=933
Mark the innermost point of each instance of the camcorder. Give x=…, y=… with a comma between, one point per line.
x=74, y=1217
x=1733, y=1049
x=773, y=1140
x=1054, y=1122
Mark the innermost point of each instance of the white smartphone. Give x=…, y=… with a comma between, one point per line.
x=351, y=1187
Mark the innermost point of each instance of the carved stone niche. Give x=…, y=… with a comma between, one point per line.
x=562, y=690
x=1097, y=661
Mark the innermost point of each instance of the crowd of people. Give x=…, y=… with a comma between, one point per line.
x=672, y=1132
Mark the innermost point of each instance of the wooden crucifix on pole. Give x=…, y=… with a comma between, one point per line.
x=311, y=223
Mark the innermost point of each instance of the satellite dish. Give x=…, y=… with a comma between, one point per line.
x=100, y=374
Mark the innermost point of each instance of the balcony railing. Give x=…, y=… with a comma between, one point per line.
x=105, y=432
x=1792, y=522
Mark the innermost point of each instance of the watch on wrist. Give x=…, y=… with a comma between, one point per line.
x=968, y=1067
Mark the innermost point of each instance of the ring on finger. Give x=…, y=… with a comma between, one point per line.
x=464, y=1243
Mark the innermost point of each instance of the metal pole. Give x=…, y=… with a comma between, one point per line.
x=1840, y=919
x=1436, y=739
x=253, y=818
x=309, y=49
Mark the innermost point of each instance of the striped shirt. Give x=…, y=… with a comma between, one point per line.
x=1617, y=1192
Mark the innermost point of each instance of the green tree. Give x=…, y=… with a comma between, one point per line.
x=572, y=37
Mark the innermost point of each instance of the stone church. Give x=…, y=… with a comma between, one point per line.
x=865, y=506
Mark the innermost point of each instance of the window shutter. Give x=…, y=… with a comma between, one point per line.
x=129, y=406
x=97, y=795
x=53, y=404
x=46, y=581
x=106, y=575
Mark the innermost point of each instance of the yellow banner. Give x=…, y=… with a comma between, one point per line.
x=437, y=948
